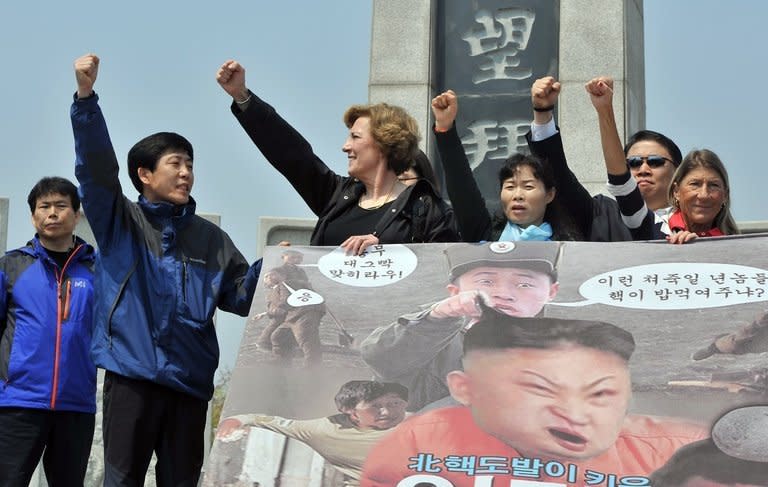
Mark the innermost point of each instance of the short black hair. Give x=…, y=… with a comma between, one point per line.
x=354, y=392
x=146, y=152
x=496, y=331
x=423, y=169
x=703, y=459
x=54, y=185
x=659, y=138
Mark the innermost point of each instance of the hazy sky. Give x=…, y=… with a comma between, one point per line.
x=310, y=59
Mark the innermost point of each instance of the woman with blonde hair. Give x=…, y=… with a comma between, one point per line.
x=370, y=206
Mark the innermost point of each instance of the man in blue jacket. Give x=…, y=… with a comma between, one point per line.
x=48, y=391
x=161, y=273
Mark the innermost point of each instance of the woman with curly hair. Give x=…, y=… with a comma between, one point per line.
x=369, y=206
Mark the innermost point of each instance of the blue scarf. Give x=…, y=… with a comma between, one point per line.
x=512, y=232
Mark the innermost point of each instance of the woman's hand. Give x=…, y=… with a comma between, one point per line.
x=356, y=244
x=231, y=77
x=445, y=106
x=544, y=93
x=681, y=237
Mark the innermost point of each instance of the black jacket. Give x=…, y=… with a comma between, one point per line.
x=417, y=215
x=474, y=221
x=597, y=217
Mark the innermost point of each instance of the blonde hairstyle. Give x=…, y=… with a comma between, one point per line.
x=706, y=159
x=394, y=131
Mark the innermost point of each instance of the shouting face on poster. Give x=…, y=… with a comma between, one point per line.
x=537, y=394
x=573, y=398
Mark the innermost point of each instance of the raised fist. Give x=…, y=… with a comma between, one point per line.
x=231, y=77
x=544, y=92
x=600, y=91
x=445, y=106
x=86, y=71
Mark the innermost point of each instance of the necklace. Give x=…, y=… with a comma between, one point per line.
x=384, y=202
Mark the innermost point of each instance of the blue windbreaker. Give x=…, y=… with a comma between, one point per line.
x=161, y=272
x=45, y=330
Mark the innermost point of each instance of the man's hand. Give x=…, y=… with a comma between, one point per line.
x=445, y=106
x=600, y=91
x=231, y=77
x=86, y=71
x=544, y=92
x=465, y=303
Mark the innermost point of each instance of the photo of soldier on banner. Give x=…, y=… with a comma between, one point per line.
x=618, y=357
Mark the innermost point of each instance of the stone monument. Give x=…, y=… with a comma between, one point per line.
x=490, y=52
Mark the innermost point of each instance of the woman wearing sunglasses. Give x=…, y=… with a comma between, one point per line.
x=652, y=158
x=698, y=189
x=529, y=205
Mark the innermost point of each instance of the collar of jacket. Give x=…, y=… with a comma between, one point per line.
x=181, y=214
x=677, y=223
x=36, y=249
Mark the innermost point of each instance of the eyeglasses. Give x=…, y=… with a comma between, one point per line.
x=653, y=161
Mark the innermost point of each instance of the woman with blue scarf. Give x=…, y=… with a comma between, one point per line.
x=530, y=210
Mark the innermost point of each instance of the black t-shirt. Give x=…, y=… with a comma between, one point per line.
x=354, y=221
x=59, y=257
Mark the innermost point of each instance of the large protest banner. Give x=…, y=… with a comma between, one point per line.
x=394, y=321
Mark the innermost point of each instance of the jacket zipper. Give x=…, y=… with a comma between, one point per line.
x=62, y=313
x=184, y=279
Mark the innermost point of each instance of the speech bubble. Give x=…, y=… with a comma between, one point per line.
x=379, y=265
x=302, y=297
x=678, y=285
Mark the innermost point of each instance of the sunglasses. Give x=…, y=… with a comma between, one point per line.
x=653, y=161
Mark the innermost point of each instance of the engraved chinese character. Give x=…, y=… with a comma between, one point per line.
x=494, y=140
x=500, y=39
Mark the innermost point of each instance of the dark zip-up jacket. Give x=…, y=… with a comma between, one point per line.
x=418, y=215
x=45, y=330
x=161, y=273
x=475, y=222
x=598, y=217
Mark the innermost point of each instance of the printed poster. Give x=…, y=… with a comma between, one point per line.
x=526, y=364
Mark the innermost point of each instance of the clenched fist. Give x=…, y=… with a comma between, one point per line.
x=544, y=92
x=231, y=77
x=445, y=106
x=86, y=71
x=600, y=91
